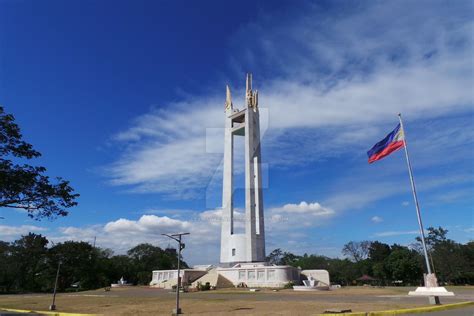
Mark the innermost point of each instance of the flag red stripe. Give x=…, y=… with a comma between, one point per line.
x=387, y=151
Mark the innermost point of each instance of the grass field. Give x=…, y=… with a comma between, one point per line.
x=147, y=301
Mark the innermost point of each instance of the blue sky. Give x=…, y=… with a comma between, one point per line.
x=125, y=99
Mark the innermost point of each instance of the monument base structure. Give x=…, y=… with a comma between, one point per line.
x=260, y=274
x=431, y=289
x=166, y=279
x=247, y=275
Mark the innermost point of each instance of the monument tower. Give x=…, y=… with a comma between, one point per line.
x=249, y=246
x=243, y=254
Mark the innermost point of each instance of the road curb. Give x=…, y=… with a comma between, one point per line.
x=45, y=312
x=415, y=310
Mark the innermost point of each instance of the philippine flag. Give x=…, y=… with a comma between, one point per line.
x=392, y=142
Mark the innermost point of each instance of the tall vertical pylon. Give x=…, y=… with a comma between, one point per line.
x=249, y=246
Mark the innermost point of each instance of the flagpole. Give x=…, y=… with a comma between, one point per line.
x=415, y=197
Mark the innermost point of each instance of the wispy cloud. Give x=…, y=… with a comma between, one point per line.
x=396, y=233
x=357, y=194
x=338, y=77
x=377, y=219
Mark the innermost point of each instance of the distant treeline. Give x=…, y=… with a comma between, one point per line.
x=29, y=265
x=452, y=262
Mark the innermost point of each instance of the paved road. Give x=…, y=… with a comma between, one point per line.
x=469, y=311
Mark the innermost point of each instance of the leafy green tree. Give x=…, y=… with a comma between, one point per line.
x=404, y=264
x=25, y=186
x=435, y=236
x=6, y=273
x=378, y=254
x=342, y=271
x=28, y=262
x=121, y=266
x=146, y=258
x=279, y=257
x=79, y=265
x=467, y=276
x=275, y=256
x=450, y=261
x=311, y=262
x=289, y=259
x=378, y=251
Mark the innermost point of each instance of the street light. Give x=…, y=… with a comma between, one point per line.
x=177, y=237
x=52, y=307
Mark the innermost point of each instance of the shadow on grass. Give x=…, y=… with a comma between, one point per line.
x=243, y=308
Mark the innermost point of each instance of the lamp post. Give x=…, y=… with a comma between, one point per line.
x=52, y=307
x=177, y=237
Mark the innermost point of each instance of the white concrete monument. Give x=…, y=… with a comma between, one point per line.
x=250, y=246
x=242, y=257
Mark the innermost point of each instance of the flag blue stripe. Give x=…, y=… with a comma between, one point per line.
x=383, y=143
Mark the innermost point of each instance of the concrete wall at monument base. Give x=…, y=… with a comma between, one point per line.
x=260, y=275
x=241, y=274
x=166, y=279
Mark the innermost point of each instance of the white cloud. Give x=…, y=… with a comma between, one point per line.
x=147, y=224
x=293, y=217
x=123, y=234
x=9, y=232
x=396, y=233
x=338, y=78
x=312, y=209
x=377, y=219
x=204, y=228
x=405, y=203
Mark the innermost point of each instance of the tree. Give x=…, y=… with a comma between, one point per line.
x=452, y=261
x=28, y=262
x=27, y=265
x=25, y=186
x=6, y=272
x=288, y=258
x=356, y=250
x=378, y=251
x=146, y=258
x=434, y=236
x=275, y=256
x=404, y=264
x=80, y=264
x=311, y=262
x=342, y=271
